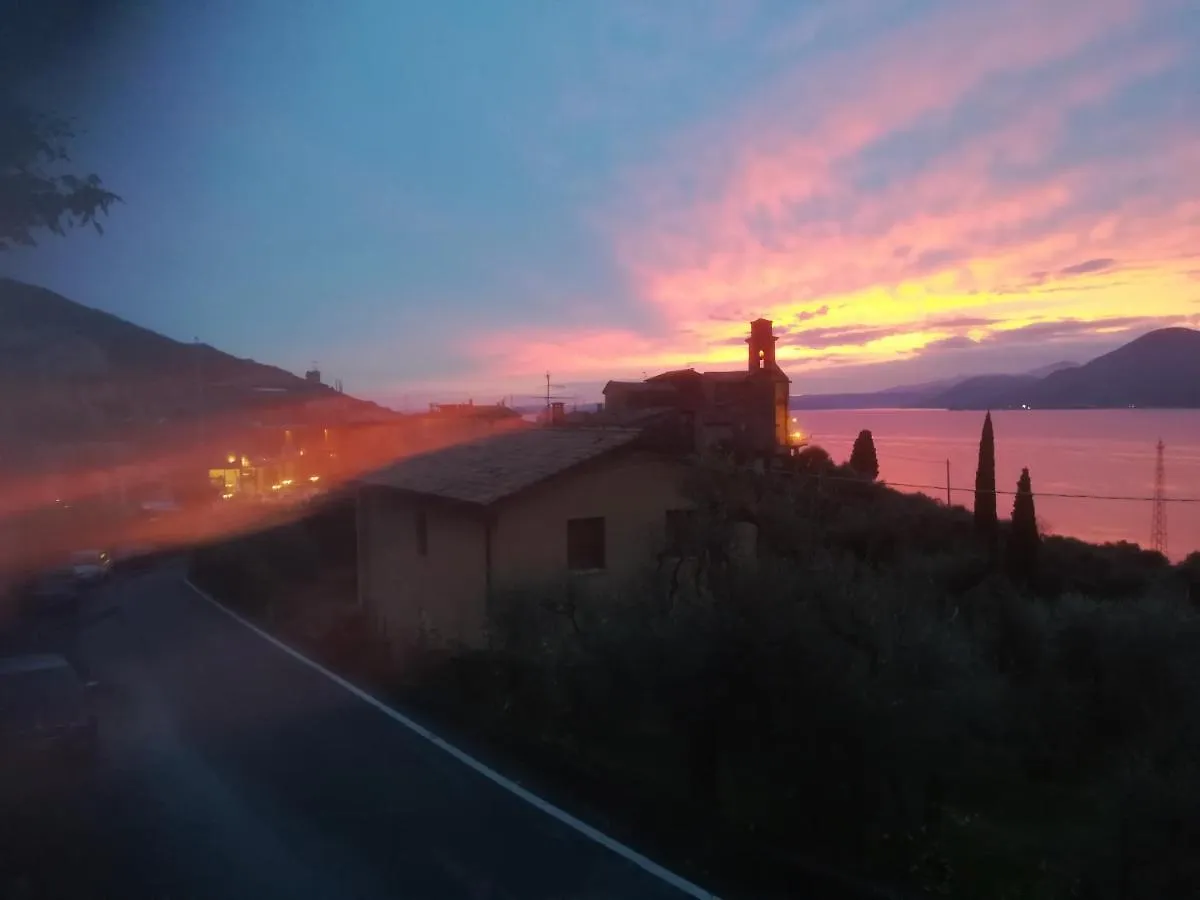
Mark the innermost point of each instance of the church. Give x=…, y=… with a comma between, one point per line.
x=742, y=411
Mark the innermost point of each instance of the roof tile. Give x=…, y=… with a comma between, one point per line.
x=492, y=468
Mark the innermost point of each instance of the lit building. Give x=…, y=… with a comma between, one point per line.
x=746, y=411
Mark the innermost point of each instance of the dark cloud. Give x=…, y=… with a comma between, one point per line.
x=940, y=256
x=1039, y=279
x=1088, y=266
x=843, y=337
x=961, y=322
x=955, y=342
x=784, y=328
x=821, y=360
x=1071, y=328
x=728, y=315
x=811, y=314
x=806, y=316
x=1083, y=288
x=781, y=327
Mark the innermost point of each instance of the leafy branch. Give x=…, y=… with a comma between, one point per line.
x=32, y=195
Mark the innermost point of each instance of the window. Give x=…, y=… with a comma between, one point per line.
x=585, y=544
x=422, y=533
x=681, y=526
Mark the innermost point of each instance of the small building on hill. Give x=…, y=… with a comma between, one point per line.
x=441, y=533
x=745, y=411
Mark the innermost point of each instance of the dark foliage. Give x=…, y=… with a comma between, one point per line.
x=863, y=460
x=1024, y=541
x=1189, y=571
x=811, y=460
x=870, y=694
x=985, y=484
x=33, y=195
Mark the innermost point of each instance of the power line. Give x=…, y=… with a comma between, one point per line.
x=999, y=493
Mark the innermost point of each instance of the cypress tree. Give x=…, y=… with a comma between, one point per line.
x=985, y=483
x=1024, y=541
x=863, y=460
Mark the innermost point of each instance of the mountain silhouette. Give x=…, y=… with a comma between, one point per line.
x=72, y=373
x=1159, y=369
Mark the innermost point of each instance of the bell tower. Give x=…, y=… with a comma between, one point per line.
x=762, y=346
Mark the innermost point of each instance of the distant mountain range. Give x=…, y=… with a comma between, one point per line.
x=70, y=373
x=1159, y=370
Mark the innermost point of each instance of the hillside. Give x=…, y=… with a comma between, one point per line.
x=70, y=373
x=1160, y=369
x=982, y=392
x=974, y=392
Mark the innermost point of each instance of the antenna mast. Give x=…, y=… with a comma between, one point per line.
x=1158, y=524
x=548, y=396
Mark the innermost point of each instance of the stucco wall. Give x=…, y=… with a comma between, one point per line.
x=447, y=589
x=632, y=493
x=443, y=591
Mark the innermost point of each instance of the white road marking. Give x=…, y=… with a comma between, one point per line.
x=642, y=862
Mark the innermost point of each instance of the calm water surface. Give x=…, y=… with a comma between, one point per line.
x=1107, y=452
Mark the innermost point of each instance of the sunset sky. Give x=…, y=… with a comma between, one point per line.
x=438, y=198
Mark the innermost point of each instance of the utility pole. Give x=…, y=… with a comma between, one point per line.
x=550, y=396
x=947, y=482
x=1158, y=523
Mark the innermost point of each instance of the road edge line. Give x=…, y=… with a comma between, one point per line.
x=594, y=834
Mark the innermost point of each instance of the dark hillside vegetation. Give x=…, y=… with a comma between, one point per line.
x=874, y=693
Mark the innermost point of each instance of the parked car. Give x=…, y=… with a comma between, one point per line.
x=91, y=565
x=49, y=732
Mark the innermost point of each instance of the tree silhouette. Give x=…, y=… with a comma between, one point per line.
x=1023, y=541
x=985, y=483
x=812, y=460
x=863, y=460
x=32, y=195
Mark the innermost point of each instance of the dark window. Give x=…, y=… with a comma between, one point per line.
x=681, y=529
x=422, y=533
x=585, y=544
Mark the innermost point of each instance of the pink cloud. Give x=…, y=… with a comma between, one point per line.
x=719, y=258
x=535, y=351
x=762, y=211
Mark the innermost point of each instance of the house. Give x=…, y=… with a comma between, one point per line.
x=746, y=411
x=441, y=533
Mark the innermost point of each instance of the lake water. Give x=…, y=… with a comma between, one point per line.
x=1105, y=452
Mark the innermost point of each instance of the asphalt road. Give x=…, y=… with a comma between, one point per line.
x=231, y=769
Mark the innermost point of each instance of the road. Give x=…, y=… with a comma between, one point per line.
x=232, y=769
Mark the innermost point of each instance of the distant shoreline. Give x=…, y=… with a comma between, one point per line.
x=808, y=408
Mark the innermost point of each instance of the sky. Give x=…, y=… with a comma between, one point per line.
x=436, y=200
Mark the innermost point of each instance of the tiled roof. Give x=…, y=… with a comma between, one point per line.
x=496, y=467
x=673, y=374
x=775, y=373
x=638, y=387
